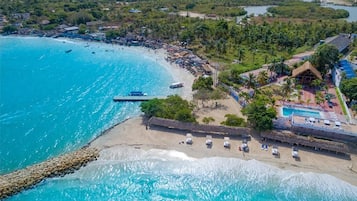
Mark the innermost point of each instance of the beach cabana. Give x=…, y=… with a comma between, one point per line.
x=295, y=153
x=209, y=140
x=337, y=123
x=327, y=122
x=189, y=138
x=306, y=73
x=275, y=150
x=226, y=143
x=245, y=147
x=312, y=119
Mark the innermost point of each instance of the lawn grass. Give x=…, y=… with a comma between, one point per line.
x=339, y=96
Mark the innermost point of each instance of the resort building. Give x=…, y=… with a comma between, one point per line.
x=306, y=73
x=341, y=70
x=341, y=42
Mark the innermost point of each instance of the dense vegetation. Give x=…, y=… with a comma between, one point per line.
x=173, y=107
x=349, y=88
x=260, y=113
x=325, y=58
x=307, y=10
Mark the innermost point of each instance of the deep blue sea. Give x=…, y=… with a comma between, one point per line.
x=52, y=101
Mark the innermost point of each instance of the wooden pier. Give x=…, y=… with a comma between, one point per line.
x=136, y=98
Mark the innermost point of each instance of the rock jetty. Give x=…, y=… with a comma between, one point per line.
x=26, y=178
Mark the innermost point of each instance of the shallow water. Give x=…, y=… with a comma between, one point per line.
x=52, y=101
x=169, y=175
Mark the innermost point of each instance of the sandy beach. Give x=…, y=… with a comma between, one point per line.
x=132, y=134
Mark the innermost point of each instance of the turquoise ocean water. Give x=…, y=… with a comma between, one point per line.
x=52, y=101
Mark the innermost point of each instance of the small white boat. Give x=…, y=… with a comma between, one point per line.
x=176, y=85
x=137, y=93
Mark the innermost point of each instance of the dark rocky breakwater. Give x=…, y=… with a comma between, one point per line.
x=26, y=178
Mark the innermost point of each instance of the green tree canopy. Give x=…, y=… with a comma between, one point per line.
x=8, y=29
x=325, y=58
x=173, y=107
x=203, y=83
x=233, y=120
x=349, y=88
x=260, y=115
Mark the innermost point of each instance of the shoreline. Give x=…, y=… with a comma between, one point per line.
x=132, y=134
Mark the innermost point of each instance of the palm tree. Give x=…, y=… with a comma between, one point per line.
x=298, y=91
x=319, y=97
x=240, y=54
x=287, y=88
x=251, y=82
x=262, y=78
x=272, y=68
x=245, y=96
x=281, y=66
x=316, y=83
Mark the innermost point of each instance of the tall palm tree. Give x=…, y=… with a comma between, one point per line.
x=262, y=78
x=240, y=54
x=316, y=83
x=245, y=96
x=319, y=97
x=251, y=82
x=287, y=88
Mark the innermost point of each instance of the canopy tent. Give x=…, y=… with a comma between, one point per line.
x=312, y=119
x=327, y=122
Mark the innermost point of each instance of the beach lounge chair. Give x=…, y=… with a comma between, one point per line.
x=226, y=143
x=189, y=138
x=295, y=153
x=245, y=147
x=275, y=150
x=209, y=140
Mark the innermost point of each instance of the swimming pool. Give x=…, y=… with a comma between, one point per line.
x=288, y=111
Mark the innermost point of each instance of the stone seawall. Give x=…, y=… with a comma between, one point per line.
x=19, y=180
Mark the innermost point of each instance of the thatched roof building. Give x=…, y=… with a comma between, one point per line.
x=306, y=73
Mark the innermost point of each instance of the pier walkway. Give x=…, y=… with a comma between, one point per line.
x=136, y=98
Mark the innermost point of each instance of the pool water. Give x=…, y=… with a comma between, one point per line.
x=300, y=112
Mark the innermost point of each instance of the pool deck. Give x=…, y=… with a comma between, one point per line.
x=319, y=123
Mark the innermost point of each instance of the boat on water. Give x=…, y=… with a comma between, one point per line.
x=137, y=93
x=176, y=85
x=68, y=51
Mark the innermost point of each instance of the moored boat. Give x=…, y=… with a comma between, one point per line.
x=176, y=85
x=137, y=93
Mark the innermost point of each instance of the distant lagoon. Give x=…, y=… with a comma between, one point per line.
x=260, y=10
